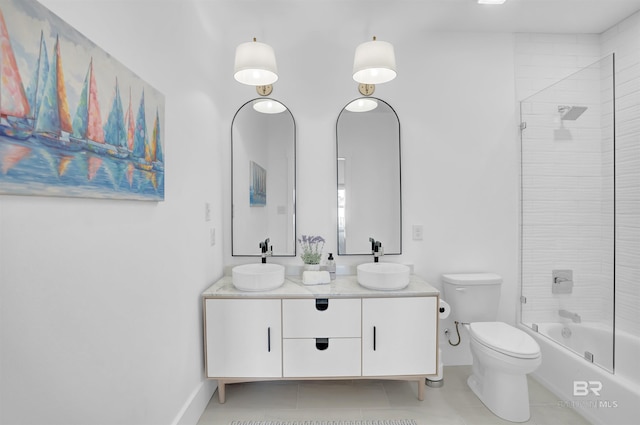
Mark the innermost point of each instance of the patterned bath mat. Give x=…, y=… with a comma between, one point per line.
x=331, y=422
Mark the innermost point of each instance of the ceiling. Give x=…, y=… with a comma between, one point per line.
x=556, y=16
x=547, y=16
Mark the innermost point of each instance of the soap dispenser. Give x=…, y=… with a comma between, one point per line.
x=331, y=266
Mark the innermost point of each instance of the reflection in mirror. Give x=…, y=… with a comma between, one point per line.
x=263, y=169
x=369, y=201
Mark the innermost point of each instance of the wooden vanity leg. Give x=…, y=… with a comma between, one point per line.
x=221, y=392
x=421, y=384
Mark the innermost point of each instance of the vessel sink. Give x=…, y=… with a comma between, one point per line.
x=383, y=276
x=257, y=276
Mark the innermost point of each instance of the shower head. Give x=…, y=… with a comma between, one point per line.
x=571, y=113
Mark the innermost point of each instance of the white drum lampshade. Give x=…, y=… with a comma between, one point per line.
x=255, y=64
x=374, y=62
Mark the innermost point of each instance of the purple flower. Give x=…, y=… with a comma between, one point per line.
x=311, y=248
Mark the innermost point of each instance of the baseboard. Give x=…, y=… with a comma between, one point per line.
x=196, y=403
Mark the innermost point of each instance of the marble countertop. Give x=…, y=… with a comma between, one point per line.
x=342, y=287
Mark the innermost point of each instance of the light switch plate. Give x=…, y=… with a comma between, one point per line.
x=207, y=211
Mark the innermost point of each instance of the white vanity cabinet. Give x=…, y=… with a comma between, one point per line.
x=335, y=331
x=243, y=338
x=398, y=336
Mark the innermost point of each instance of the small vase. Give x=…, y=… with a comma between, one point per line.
x=312, y=267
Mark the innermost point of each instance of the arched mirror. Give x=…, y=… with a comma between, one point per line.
x=263, y=178
x=368, y=161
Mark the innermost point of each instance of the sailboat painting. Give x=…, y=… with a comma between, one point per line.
x=74, y=122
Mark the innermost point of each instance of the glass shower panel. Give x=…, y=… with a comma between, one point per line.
x=567, y=223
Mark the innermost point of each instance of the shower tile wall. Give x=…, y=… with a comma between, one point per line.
x=624, y=40
x=544, y=59
x=562, y=168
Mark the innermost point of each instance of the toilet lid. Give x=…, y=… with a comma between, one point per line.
x=506, y=339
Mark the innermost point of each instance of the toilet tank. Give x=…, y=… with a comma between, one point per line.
x=473, y=297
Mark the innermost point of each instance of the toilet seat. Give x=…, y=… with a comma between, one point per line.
x=505, y=339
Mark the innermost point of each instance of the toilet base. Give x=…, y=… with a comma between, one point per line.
x=505, y=395
x=500, y=381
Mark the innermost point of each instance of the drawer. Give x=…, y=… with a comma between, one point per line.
x=309, y=357
x=321, y=318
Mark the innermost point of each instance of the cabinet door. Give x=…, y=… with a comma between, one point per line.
x=243, y=338
x=399, y=336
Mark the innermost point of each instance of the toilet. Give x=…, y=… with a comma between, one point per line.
x=502, y=354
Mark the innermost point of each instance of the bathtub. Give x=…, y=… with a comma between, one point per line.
x=600, y=396
x=580, y=337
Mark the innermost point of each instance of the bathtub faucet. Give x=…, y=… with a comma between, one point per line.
x=575, y=317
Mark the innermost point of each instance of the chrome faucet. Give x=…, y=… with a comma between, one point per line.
x=376, y=249
x=575, y=317
x=266, y=250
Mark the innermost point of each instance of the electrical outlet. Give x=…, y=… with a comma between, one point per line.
x=417, y=232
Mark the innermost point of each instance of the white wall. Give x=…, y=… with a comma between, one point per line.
x=460, y=164
x=101, y=317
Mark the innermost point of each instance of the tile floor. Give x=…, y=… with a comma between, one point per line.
x=453, y=403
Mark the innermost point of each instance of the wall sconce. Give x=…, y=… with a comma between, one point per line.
x=255, y=65
x=374, y=62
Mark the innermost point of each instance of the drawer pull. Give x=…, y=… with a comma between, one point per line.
x=269, y=339
x=322, y=343
x=374, y=338
x=322, y=304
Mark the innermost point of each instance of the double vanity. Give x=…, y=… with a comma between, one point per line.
x=379, y=322
x=341, y=330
